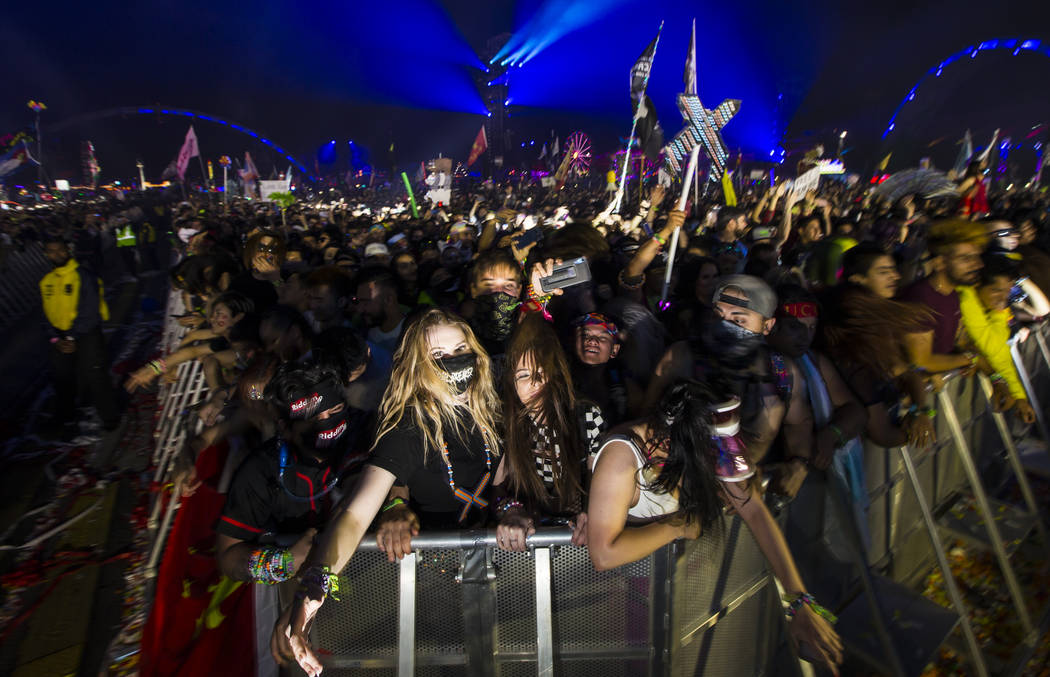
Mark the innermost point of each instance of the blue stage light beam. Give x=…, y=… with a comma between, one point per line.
x=552, y=21
x=406, y=53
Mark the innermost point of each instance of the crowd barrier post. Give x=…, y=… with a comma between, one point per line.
x=950, y=585
x=1026, y=379
x=406, y=607
x=984, y=507
x=1015, y=461
x=544, y=613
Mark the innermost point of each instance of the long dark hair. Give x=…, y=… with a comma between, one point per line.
x=684, y=419
x=868, y=330
x=535, y=342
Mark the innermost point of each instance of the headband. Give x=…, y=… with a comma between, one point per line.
x=600, y=320
x=324, y=395
x=798, y=310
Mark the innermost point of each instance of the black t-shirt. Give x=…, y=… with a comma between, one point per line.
x=259, y=509
x=400, y=452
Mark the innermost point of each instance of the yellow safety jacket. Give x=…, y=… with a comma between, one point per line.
x=125, y=236
x=60, y=291
x=990, y=331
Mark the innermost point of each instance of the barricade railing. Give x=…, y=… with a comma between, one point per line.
x=707, y=606
x=685, y=609
x=176, y=403
x=916, y=494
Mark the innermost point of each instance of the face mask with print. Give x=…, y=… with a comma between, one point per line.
x=459, y=371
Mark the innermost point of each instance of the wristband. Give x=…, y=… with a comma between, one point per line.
x=838, y=435
x=660, y=240
x=317, y=583
x=393, y=503
x=996, y=377
x=796, y=602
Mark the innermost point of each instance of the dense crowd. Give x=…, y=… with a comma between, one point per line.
x=387, y=372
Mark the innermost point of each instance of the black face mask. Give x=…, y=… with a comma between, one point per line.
x=495, y=315
x=731, y=345
x=311, y=434
x=460, y=371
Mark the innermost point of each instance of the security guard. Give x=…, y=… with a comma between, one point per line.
x=75, y=308
x=126, y=241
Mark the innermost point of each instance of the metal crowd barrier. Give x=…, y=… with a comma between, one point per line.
x=702, y=607
x=176, y=401
x=919, y=494
x=20, y=274
x=465, y=607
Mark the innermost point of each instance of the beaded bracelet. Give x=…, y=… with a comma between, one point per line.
x=631, y=286
x=317, y=583
x=506, y=504
x=539, y=298
x=796, y=602
x=270, y=565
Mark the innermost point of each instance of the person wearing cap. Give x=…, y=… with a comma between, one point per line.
x=378, y=254
x=731, y=356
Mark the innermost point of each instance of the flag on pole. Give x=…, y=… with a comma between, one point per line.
x=481, y=142
x=14, y=151
x=988, y=149
x=641, y=68
x=881, y=167
x=650, y=134
x=727, y=189
x=555, y=150
x=189, y=150
x=689, y=77
x=965, y=153
x=543, y=153
x=249, y=174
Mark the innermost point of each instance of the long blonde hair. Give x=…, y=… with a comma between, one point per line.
x=418, y=390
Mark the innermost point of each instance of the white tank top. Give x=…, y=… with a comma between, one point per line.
x=651, y=504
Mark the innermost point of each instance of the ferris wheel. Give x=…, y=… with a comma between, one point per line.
x=578, y=152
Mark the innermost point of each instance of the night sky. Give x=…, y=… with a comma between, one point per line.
x=401, y=71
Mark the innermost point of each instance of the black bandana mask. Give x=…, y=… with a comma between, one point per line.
x=459, y=371
x=731, y=345
x=310, y=433
x=495, y=315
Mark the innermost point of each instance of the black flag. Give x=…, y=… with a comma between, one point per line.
x=650, y=135
x=640, y=71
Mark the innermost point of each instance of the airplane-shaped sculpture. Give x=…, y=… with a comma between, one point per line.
x=702, y=126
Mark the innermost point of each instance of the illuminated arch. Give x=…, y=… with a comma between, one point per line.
x=183, y=112
x=1017, y=45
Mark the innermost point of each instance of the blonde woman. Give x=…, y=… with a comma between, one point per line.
x=437, y=437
